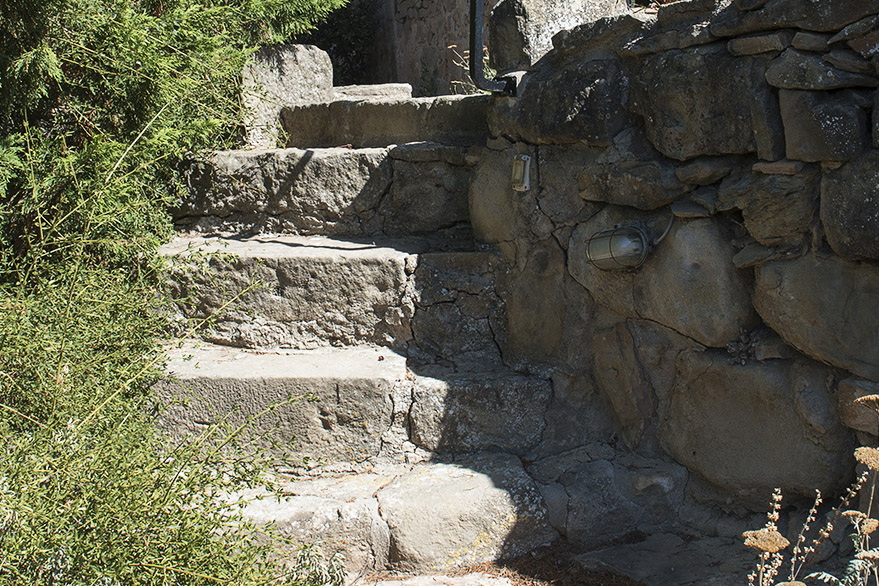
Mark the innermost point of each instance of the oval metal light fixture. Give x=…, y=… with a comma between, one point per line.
x=621, y=248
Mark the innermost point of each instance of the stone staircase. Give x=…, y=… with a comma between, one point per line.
x=349, y=314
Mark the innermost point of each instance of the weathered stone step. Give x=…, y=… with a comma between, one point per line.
x=432, y=516
x=293, y=291
x=414, y=189
x=329, y=404
x=339, y=406
x=376, y=91
x=306, y=292
x=367, y=123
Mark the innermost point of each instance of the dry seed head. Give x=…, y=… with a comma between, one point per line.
x=868, y=457
x=869, y=401
x=871, y=555
x=766, y=540
x=869, y=526
x=794, y=583
x=854, y=515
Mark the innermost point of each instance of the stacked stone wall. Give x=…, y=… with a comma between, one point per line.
x=738, y=347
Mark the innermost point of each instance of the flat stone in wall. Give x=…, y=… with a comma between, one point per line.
x=850, y=208
x=826, y=308
x=777, y=209
x=794, y=70
x=823, y=126
x=631, y=173
x=751, y=428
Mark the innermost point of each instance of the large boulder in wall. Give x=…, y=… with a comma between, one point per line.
x=689, y=284
x=826, y=308
x=750, y=428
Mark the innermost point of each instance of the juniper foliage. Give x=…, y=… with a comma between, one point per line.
x=98, y=100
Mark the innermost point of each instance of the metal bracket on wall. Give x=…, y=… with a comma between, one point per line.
x=502, y=85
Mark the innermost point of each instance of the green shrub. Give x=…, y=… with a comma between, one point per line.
x=100, y=98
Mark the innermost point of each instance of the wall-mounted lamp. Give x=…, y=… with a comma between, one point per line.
x=623, y=247
x=521, y=176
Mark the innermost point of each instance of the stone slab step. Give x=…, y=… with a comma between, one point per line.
x=330, y=404
x=296, y=292
x=444, y=119
x=306, y=292
x=328, y=409
x=433, y=516
x=415, y=189
x=381, y=91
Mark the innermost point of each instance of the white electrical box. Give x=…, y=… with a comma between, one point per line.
x=521, y=173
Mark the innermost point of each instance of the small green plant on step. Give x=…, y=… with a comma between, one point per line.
x=774, y=549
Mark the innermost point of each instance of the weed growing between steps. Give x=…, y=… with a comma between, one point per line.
x=99, y=99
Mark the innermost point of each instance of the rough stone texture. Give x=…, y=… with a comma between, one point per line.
x=666, y=559
x=704, y=171
x=784, y=167
x=383, y=91
x=753, y=45
x=688, y=284
x=803, y=14
x=521, y=31
x=850, y=208
x=821, y=126
x=789, y=436
x=576, y=415
x=319, y=191
x=853, y=415
x=848, y=61
x=815, y=42
x=268, y=292
x=220, y=385
x=426, y=197
x=458, y=315
x=704, y=101
x=447, y=516
x=623, y=383
x=611, y=494
x=279, y=76
x=824, y=307
x=777, y=209
x=630, y=173
x=379, y=123
x=461, y=413
x=795, y=70
x=500, y=214
x=352, y=528
x=576, y=101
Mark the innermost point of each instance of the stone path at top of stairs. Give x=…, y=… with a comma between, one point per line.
x=341, y=300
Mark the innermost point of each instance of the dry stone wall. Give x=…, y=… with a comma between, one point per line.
x=738, y=348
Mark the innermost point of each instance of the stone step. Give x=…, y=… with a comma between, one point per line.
x=377, y=91
x=344, y=406
x=306, y=292
x=370, y=123
x=427, y=517
x=418, y=189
